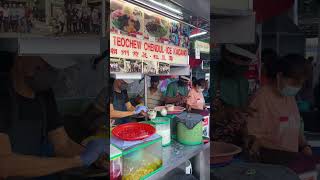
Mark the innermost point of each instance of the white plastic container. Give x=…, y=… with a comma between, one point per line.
x=162, y=125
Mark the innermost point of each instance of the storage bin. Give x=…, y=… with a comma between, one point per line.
x=140, y=159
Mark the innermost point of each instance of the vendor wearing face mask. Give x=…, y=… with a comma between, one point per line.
x=276, y=123
x=177, y=91
x=120, y=106
x=29, y=123
x=230, y=93
x=195, y=98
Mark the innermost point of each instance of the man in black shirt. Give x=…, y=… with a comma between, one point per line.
x=29, y=122
x=120, y=106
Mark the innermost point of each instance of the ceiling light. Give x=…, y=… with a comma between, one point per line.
x=158, y=9
x=198, y=34
x=166, y=7
x=126, y=75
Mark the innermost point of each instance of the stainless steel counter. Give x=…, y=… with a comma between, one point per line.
x=176, y=154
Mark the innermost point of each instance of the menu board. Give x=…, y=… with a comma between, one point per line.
x=132, y=20
x=156, y=27
x=126, y=18
x=143, y=41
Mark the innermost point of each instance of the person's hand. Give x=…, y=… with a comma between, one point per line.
x=139, y=109
x=93, y=150
x=307, y=151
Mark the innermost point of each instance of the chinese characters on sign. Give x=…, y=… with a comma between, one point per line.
x=126, y=47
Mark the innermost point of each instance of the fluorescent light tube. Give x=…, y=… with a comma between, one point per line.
x=126, y=75
x=198, y=34
x=158, y=9
x=166, y=7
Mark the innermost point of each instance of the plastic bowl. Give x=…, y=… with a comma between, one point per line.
x=170, y=107
x=223, y=153
x=152, y=114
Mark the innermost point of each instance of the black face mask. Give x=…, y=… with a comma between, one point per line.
x=42, y=80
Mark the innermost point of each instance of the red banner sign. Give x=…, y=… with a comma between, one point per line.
x=127, y=47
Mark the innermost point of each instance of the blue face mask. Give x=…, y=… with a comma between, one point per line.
x=290, y=91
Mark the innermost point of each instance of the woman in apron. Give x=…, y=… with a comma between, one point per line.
x=276, y=123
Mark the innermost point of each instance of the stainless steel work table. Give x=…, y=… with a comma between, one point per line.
x=176, y=154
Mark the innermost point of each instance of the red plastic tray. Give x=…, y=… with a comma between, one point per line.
x=133, y=131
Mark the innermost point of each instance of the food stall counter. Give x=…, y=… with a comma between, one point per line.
x=176, y=154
